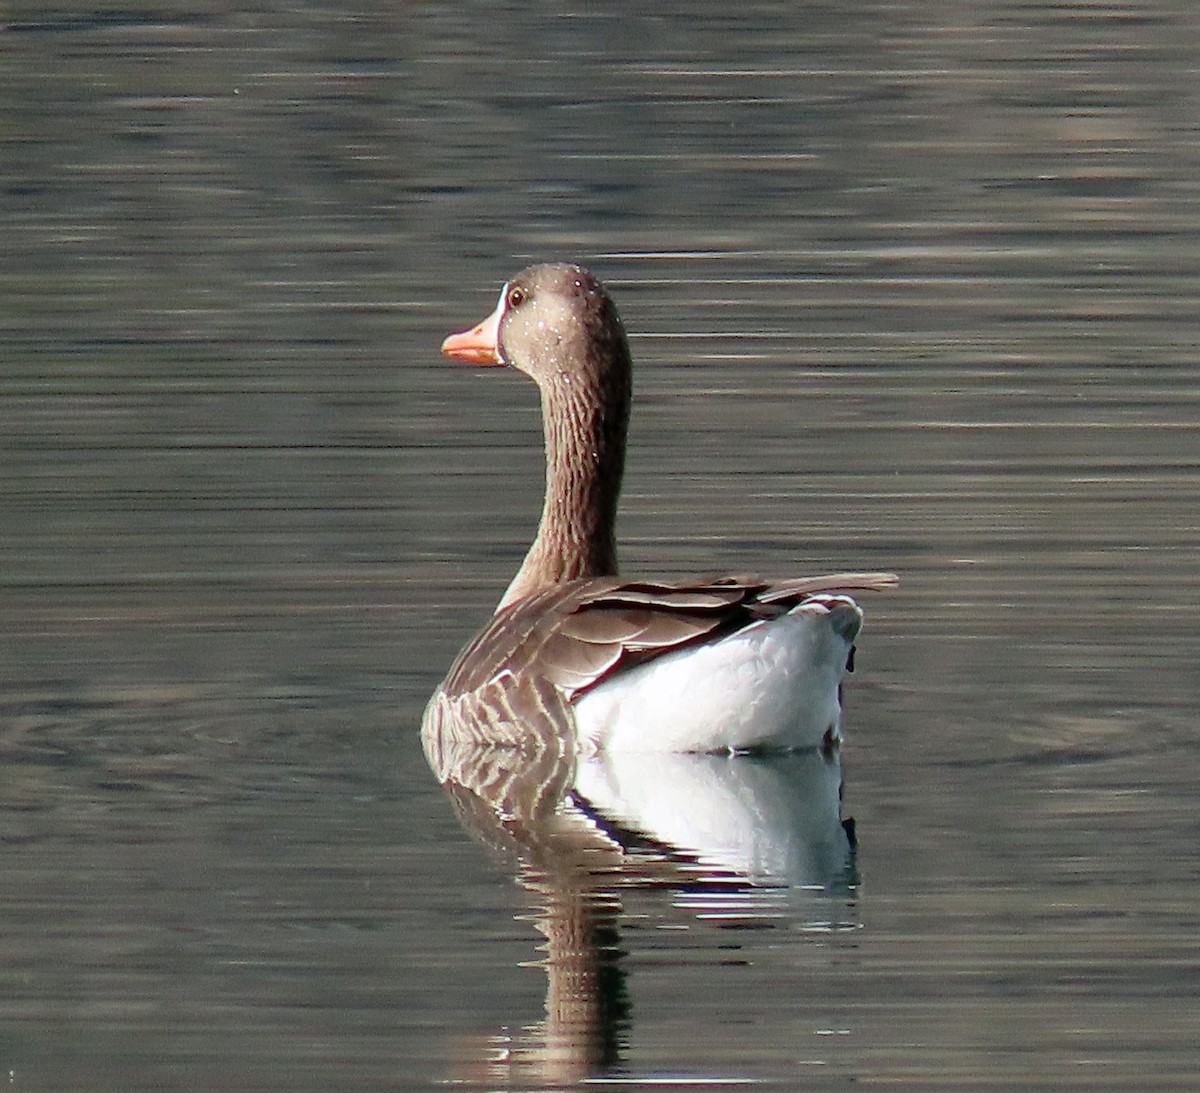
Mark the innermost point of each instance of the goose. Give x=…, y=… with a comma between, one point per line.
x=578, y=659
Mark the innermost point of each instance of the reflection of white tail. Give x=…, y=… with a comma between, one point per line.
x=773, y=820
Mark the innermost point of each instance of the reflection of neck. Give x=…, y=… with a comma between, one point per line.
x=585, y=458
x=586, y=1005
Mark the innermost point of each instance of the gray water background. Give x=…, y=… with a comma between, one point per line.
x=908, y=287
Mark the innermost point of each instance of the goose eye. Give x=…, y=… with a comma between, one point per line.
x=516, y=297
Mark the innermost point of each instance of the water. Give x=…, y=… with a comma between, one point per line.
x=907, y=288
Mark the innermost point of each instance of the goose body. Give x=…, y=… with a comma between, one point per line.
x=577, y=658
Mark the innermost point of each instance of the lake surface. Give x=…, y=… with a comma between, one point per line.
x=909, y=287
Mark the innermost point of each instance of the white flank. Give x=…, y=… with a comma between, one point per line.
x=774, y=684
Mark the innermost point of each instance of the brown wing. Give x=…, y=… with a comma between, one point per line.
x=576, y=633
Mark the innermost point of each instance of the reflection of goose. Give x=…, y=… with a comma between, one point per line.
x=771, y=820
x=576, y=654
x=726, y=838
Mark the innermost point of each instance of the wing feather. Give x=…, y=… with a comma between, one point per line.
x=575, y=634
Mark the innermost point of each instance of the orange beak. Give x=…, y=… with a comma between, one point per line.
x=480, y=344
